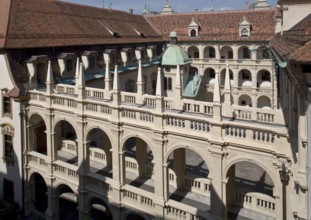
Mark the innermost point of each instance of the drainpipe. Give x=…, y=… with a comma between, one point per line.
x=23, y=136
x=309, y=153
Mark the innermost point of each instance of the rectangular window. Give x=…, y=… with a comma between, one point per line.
x=8, y=147
x=8, y=190
x=165, y=83
x=6, y=105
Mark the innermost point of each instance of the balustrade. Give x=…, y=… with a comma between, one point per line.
x=257, y=202
x=177, y=210
x=65, y=171
x=66, y=89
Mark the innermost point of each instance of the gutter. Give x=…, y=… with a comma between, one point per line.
x=278, y=59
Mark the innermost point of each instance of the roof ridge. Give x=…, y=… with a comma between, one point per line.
x=213, y=12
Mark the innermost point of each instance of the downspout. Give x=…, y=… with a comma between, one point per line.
x=309, y=154
x=23, y=136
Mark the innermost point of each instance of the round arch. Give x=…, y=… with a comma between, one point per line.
x=245, y=100
x=132, y=135
x=244, y=52
x=39, y=188
x=34, y=114
x=37, y=134
x=60, y=184
x=104, y=130
x=90, y=198
x=209, y=51
x=58, y=120
x=245, y=77
x=127, y=215
x=222, y=76
x=264, y=102
x=272, y=173
x=178, y=146
x=193, y=52
x=226, y=52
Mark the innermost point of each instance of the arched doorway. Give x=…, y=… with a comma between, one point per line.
x=37, y=133
x=138, y=159
x=245, y=78
x=226, y=52
x=99, y=210
x=135, y=217
x=245, y=100
x=193, y=52
x=38, y=193
x=65, y=142
x=99, y=152
x=67, y=203
x=264, y=102
x=223, y=77
x=188, y=178
x=249, y=189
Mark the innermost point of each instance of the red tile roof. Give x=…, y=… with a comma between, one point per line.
x=217, y=26
x=50, y=23
x=295, y=44
x=4, y=20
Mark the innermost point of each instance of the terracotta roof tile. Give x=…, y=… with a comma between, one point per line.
x=47, y=23
x=295, y=44
x=217, y=26
x=4, y=20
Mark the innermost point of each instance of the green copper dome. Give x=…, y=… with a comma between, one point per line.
x=173, y=55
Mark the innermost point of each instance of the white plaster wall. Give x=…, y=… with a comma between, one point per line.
x=12, y=173
x=294, y=12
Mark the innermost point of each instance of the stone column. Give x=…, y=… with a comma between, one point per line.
x=217, y=52
x=141, y=156
x=285, y=180
x=140, y=84
x=218, y=208
x=235, y=52
x=201, y=52
x=179, y=167
x=118, y=163
x=52, y=211
x=160, y=176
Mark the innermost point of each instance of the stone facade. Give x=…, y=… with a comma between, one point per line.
x=195, y=128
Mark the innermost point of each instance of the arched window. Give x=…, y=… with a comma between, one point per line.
x=244, y=32
x=211, y=52
x=8, y=150
x=193, y=33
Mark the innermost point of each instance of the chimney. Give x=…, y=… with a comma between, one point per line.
x=131, y=11
x=246, y=6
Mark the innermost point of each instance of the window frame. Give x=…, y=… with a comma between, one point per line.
x=8, y=143
x=6, y=104
x=245, y=32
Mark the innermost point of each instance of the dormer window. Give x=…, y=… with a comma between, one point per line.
x=244, y=28
x=244, y=32
x=193, y=29
x=66, y=62
x=92, y=62
x=69, y=65
x=193, y=33
x=89, y=59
